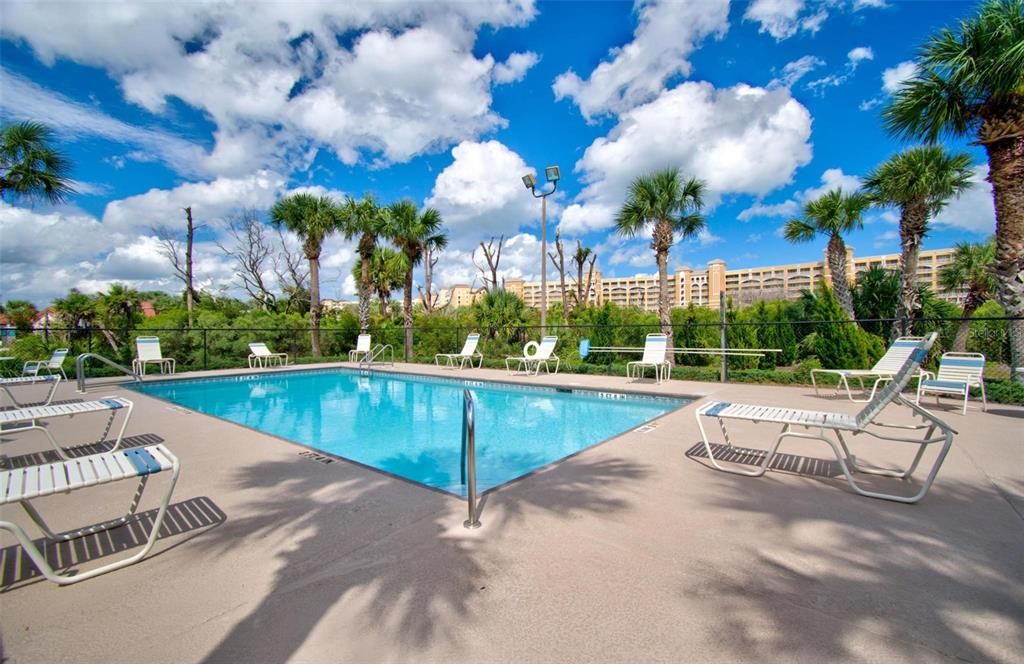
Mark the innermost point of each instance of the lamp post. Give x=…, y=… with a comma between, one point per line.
x=553, y=175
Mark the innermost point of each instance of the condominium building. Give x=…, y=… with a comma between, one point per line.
x=742, y=286
x=459, y=295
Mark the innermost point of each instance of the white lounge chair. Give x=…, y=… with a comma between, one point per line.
x=655, y=352
x=23, y=381
x=935, y=430
x=22, y=485
x=883, y=371
x=147, y=351
x=545, y=352
x=467, y=353
x=54, y=364
x=260, y=356
x=362, y=349
x=29, y=418
x=958, y=373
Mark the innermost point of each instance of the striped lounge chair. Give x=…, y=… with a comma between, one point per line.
x=958, y=373
x=883, y=370
x=831, y=428
x=22, y=485
x=25, y=381
x=27, y=419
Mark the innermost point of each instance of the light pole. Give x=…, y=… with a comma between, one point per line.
x=553, y=175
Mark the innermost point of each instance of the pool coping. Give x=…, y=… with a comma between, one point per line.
x=684, y=401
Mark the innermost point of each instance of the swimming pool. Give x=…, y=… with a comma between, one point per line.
x=411, y=426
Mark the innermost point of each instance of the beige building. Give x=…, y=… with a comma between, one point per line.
x=703, y=287
x=459, y=295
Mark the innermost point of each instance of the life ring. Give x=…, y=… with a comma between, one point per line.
x=530, y=349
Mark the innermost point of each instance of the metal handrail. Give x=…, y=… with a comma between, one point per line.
x=378, y=351
x=80, y=369
x=469, y=458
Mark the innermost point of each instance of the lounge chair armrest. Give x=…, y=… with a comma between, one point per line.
x=926, y=375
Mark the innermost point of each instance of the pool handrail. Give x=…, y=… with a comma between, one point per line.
x=469, y=458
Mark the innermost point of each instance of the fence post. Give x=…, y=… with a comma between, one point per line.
x=205, y=351
x=724, y=336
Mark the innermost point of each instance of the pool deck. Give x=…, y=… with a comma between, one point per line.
x=631, y=551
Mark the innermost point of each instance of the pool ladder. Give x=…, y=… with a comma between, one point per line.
x=371, y=357
x=80, y=369
x=469, y=458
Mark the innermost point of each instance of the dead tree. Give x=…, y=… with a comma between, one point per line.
x=292, y=274
x=581, y=258
x=171, y=250
x=427, y=294
x=558, y=260
x=493, y=256
x=250, y=254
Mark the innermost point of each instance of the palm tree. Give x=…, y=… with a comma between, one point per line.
x=971, y=269
x=387, y=269
x=971, y=83
x=30, y=167
x=919, y=181
x=412, y=231
x=119, y=305
x=312, y=218
x=833, y=214
x=365, y=219
x=672, y=208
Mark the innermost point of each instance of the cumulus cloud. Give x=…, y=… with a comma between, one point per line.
x=481, y=193
x=666, y=34
x=974, y=210
x=278, y=82
x=738, y=140
x=894, y=77
x=858, y=55
x=515, y=67
x=832, y=178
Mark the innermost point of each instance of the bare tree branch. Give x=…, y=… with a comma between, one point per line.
x=558, y=260
x=493, y=258
x=292, y=272
x=250, y=253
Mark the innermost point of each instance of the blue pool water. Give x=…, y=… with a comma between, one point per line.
x=411, y=426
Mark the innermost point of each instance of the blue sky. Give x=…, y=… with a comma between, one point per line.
x=223, y=106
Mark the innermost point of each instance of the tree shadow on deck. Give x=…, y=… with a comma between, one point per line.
x=831, y=573
x=394, y=552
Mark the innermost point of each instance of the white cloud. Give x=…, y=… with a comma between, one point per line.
x=894, y=77
x=23, y=99
x=276, y=80
x=481, y=193
x=666, y=34
x=794, y=71
x=783, y=19
x=515, y=67
x=858, y=55
x=865, y=4
x=832, y=178
x=738, y=140
x=974, y=210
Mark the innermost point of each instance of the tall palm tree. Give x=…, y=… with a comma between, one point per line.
x=411, y=231
x=367, y=220
x=970, y=82
x=919, y=181
x=119, y=306
x=833, y=214
x=30, y=167
x=672, y=208
x=387, y=270
x=313, y=219
x=971, y=269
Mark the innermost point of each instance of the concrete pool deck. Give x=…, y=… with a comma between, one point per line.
x=630, y=550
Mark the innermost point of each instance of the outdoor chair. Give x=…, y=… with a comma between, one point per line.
x=22, y=485
x=260, y=356
x=885, y=368
x=147, y=351
x=655, y=352
x=958, y=373
x=362, y=349
x=54, y=364
x=864, y=422
x=530, y=362
x=27, y=419
x=467, y=353
x=21, y=381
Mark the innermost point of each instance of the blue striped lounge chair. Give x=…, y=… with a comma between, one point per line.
x=831, y=428
x=27, y=419
x=882, y=372
x=54, y=364
x=22, y=485
x=26, y=381
x=958, y=373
